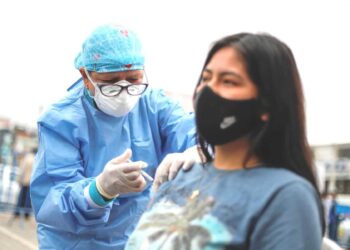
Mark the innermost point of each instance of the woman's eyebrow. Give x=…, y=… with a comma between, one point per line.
x=224, y=73
x=230, y=73
x=207, y=71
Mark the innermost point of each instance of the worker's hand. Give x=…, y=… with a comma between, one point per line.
x=172, y=163
x=120, y=176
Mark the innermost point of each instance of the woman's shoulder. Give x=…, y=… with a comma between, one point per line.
x=184, y=180
x=280, y=182
x=273, y=177
x=193, y=173
x=278, y=175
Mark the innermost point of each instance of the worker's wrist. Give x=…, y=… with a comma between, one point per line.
x=96, y=197
x=102, y=192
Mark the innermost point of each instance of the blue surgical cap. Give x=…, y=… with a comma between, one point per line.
x=111, y=48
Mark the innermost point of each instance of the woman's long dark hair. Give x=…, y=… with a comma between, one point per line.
x=281, y=141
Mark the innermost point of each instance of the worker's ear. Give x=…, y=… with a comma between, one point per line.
x=82, y=72
x=85, y=79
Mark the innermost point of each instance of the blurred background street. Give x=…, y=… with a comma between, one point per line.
x=17, y=234
x=17, y=224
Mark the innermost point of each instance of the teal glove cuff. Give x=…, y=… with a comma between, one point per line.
x=96, y=196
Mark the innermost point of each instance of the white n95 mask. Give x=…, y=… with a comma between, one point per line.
x=120, y=104
x=116, y=106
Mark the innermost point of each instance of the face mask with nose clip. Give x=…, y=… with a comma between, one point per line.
x=118, y=105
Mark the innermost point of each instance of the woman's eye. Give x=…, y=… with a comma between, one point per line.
x=205, y=79
x=230, y=82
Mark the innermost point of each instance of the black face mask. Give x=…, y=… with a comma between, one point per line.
x=220, y=120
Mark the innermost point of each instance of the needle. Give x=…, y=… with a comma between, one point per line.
x=147, y=176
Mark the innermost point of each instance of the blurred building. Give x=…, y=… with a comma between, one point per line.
x=334, y=160
x=15, y=140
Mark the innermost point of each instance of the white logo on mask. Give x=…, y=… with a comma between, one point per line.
x=227, y=122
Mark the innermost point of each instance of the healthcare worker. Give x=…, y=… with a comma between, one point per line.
x=99, y=147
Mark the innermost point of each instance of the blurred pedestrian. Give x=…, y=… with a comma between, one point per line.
x=327, y=203
x=25, y=171
x=333, y=217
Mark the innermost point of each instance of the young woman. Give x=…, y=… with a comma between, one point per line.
x=256, y=188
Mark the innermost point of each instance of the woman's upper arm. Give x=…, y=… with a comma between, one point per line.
x=290, y=220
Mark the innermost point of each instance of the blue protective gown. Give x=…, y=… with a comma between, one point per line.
x=76, y=140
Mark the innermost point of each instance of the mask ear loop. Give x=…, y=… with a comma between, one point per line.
x=90, y=79
x=145, y=78
x=92, y=82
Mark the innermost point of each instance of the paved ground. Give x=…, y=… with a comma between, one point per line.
x=17, y=234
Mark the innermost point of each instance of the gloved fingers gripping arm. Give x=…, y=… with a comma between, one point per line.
x=171, y=164
x=193, y=156
x=120, y=176
x=164, y=168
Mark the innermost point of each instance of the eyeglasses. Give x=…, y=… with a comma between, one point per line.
x=115, y=89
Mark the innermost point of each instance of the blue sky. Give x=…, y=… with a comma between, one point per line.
x=40, y=40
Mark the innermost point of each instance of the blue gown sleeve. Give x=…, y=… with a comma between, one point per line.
x=291, y=220
x=177, y=126
x=57, y=186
